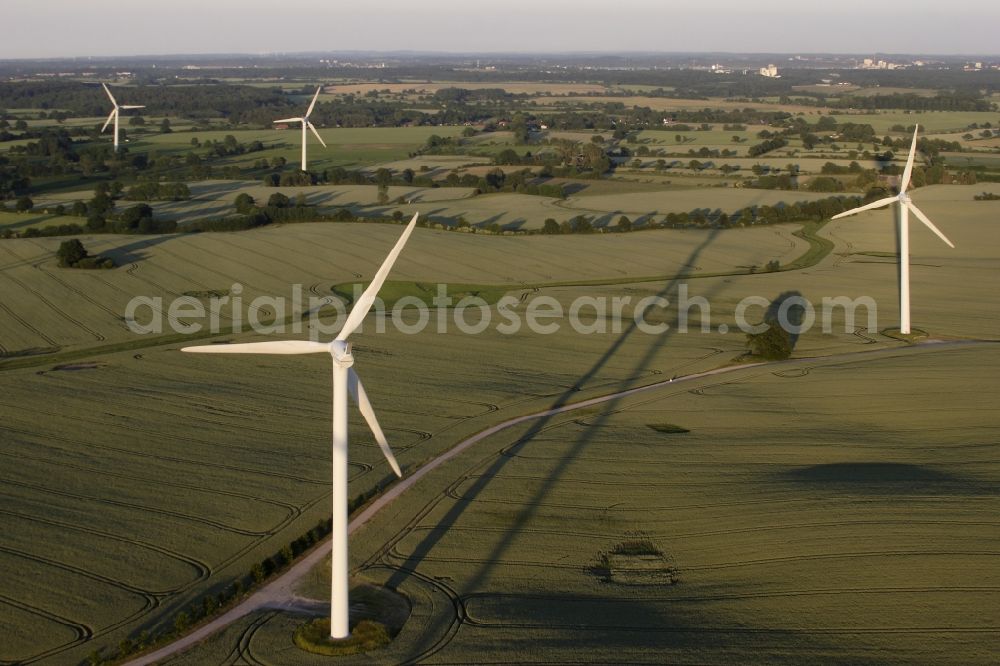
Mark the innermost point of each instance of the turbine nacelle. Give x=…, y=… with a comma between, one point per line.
x=340, y=350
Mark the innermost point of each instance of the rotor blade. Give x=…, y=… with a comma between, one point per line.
x=360, y=308
x=930, y=225
x=132, y=107
x=313, y=128
x=903, y=184
x=861, y=209
x=110, y=118
x=289, y=120
x=365, y=406
x=270, y=347
x=313, y=103
x=112, y=97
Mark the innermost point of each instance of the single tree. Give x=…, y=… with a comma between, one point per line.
x=774, y=344
x=278, y=200
x=71, y=252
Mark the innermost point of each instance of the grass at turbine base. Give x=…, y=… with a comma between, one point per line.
x=366, y=636
x=378, y=614
x=915, y=334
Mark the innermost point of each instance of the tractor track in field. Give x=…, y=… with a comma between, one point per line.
x=458, y=615
x=82, y=631
x=860, y=333
x=185, y=440
x=182, y=261
x=39, y=266
x=139, y=507
x=283, y=584
x=292, y=510
x=59, y=311
x=610, y=536
x=242, y=427
x=242, y=654
x=148, y=597
x=203, y=568
x=232, y=411
x=841, y=556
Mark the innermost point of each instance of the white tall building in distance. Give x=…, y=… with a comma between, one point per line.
x=770, y=72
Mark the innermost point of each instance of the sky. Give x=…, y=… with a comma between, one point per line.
x=66, y=28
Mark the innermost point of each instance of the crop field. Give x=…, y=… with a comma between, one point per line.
x=195, y=467
x=189, y=473
x=931, y=121
x=864, y=530
x=46, y=306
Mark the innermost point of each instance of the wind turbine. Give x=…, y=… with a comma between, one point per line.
x=345, y=380
x=905, y=207
x=114, y=113
x=305, y=123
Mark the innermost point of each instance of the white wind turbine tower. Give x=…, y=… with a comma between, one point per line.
x=905, y=207
x=114, y=114
x=345, y=380
x=305, y=123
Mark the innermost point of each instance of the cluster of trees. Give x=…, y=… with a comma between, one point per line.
x=767, y=146
x=101, y=216
x=153, y=191
x=943, y=101
x=72, y=254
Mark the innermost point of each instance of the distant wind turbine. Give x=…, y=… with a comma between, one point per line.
x=305, y=123
x=905, y=207
x=345, y=380
x=114, y=114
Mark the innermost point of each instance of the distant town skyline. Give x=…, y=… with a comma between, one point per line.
x=68, y=28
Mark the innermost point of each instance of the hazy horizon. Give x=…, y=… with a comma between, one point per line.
x=67, y=28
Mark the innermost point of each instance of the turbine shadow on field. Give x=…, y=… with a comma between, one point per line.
x=886, y=478
x=132, y=253
x=487, y=470
x=530, y=504
x=636, y=629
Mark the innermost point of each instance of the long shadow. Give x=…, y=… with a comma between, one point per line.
x=457, y=509
x=886, y=478
x=132, y=253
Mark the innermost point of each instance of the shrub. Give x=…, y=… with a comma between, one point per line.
x=668, y=428
x=774, y=344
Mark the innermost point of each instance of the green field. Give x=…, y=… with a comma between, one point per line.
x=863, y=531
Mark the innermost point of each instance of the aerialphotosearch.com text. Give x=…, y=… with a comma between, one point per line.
x=323, y=316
